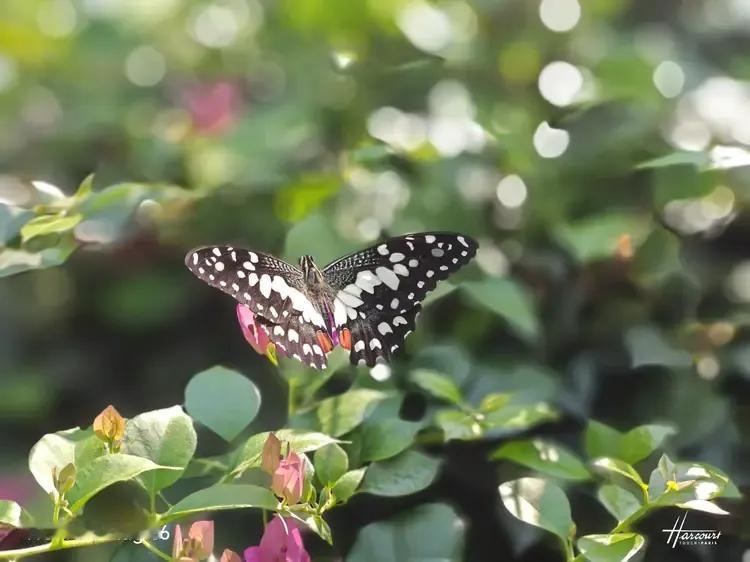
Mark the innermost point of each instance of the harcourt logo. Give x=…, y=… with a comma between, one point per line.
x=679, y=534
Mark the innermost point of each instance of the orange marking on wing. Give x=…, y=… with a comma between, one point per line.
x=325, y=342
x=345, y=338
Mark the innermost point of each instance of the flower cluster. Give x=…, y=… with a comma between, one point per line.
x=281, y=542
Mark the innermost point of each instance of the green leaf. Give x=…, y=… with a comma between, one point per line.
x=407, y=473
x=320, y=527
x=222, y=497
x=340, y=414
x=104, y=471
x=49, y=224
x=519, y=417
x=648, y=346
x=618, y=501
x=631, y=447
x=458, y=424
x=387, y=438
x=619, y=547
x=249, y=454
x=14, y=515
x=509, y=300
x=13, y=262
x=56, y=450
x=438, y=385
x=540, y=503
x=166, y=437
x=12, y=218
x=223, y=400
x=677, y=158
x=545, y=457
x=347, y=485
x=597, y=237
x=619, y=468
x=429, y=533
x=330, y=463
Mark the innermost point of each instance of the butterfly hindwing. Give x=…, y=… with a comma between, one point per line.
x=380, y=335
x=297, y=340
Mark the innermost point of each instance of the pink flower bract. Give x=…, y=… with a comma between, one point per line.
x=254, y=334
x=281, y=542
x=288, y=479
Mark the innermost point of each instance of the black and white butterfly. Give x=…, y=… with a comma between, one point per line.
x=366, y=302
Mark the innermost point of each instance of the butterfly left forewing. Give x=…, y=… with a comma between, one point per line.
x=273, y=289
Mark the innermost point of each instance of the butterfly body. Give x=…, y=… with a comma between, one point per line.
x=366, y=302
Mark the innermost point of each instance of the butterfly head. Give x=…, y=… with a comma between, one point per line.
x=313, y=275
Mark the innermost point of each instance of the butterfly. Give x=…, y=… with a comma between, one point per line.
x=366, y=302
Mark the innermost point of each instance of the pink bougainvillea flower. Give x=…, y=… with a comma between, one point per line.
x=198, y=545
x=254, y=334
x=281, y=542
x=288, y=479
x=213, y=108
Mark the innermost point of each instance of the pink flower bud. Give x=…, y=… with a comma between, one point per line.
x=289, y=478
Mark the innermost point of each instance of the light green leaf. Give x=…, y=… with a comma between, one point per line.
x=428, y=533
x=631, y=447
x=166, y=437
x=517, y=417
x=458, y=424
x=320, y=527
x=14, y=515
x=340, y=414
x=677, y=158
x=223, y=400
x=407, y=473
x=618, y=501
x=619, y=547
x=545, y=457
x=104, y=471
x=347, y=485
x=620, y=468
x=386, y=438
x=540, y=503
x=56, y=450
x=222, y=497
x=330, y=463
x=18, y=261
x=438, y=385
x=49, y=224
x=509, y=300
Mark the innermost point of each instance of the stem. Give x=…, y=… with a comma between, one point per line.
x=626, y=523
x=568, y=548
x=152, y=548
x=19, y=553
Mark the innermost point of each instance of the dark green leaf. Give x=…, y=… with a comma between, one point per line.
x=509, y=300
x=431, y=532
x=545, y=457
x=222, y=497
x=330, y=463
x=540, y=503
x=223, y=400
x=407, y=473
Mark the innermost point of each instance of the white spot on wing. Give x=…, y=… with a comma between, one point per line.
x=398, y=320
x=463, y=241
x=359, y=346
x=437, y=252
x=384, y=328
x=217, y=252
x=292, y=335
x=383, y=250
x=388, y=277
x=265, y=285
x=247, y=265
x=219, y=266
x=349, y=299
x=252, y=279
x=429, y=238
x=396, y=257
x=375, y=343
x=401, y=269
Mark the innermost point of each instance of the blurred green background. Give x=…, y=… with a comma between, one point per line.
x=598, y=152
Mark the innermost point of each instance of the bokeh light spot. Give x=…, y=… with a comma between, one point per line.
x=560, y=82
x=145, y=66
x=560, y=15
x=550, y=142
x=669, y=79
